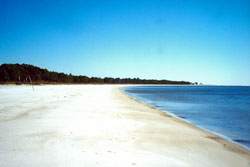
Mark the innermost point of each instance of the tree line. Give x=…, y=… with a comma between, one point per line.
x=25, y=73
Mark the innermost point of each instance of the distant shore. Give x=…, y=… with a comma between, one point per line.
x=98, y=125
x=62, y=83
x=26, y=73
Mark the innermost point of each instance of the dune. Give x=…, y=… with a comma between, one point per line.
x=100, y=126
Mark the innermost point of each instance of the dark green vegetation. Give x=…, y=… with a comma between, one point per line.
x=23, y=73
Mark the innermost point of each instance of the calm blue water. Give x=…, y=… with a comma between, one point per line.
x=224, y=110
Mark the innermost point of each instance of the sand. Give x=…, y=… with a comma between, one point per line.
x=99, y=126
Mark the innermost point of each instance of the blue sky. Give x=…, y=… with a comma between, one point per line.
x=206, y=41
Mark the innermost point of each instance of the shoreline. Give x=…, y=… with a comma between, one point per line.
x=93, y=125
x=187, y=121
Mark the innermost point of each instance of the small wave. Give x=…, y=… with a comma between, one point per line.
x=242, y=141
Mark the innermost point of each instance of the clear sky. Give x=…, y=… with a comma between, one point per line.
x=206, y=41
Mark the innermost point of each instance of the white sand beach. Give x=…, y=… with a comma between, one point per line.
x=99, y=126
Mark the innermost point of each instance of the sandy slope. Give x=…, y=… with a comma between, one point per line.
x=97, y=125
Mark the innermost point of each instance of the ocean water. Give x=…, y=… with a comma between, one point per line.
x=223, y=110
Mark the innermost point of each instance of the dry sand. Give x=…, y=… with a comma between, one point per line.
x=98, y=125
